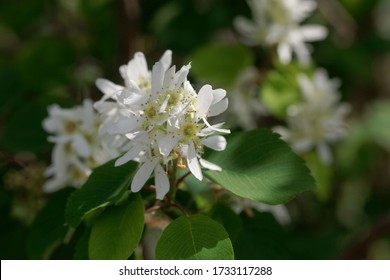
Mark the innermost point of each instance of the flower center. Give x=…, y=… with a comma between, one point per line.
x=189, y=130
x=151, y=112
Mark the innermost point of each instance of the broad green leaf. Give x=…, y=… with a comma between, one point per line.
x=81, y=247
x=116, y=233
x=105, y=186
x=48, y=229
x=220, y=64
x=194, y=238
x=262, y=238
x=279, y=91
x=258, y=165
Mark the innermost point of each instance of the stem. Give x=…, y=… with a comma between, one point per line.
x=178, y=206
x=181, y=179
x=172, y=170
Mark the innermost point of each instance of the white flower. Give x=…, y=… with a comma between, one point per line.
x=163, y=120
x=280, y=212
x=137, y=78
x=245, y=106
x=77, y=146
x=319, y=119
x=277, y=23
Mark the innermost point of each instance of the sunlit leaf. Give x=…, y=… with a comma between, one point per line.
x=116, y=233
x=260, y=166
x=105, y=186
x=194, y=238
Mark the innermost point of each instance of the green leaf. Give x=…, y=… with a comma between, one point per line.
x=220, y=64
x=258, y=165
x=106, y=185
x=262, y=238
x=278, y=92
x=81, y=247
x=194, y=238
x=116, y=233
x=48, y=229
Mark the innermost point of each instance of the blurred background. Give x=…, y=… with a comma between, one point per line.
x=52, y=51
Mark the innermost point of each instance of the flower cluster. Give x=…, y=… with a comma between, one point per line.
x=319, y=119
x=277, y=23
x=158, y=120
x=78, y=147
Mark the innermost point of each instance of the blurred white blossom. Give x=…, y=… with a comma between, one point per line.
x=77, y=146
x=245, y=106
x=277, y=23
x=318, y=120
x=280, y=212
x=161, y=119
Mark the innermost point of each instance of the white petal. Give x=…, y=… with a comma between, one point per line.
x=218, y=95
x=141, y=64
x=167, y=143
x=284, y=132
x=168, y=77
x=193, y=163
x=214, y=128
x=108, y=87
x=129, y=155
x=306, y=86
x=205, y=97
x=166, y=59
x=131, y=98
x=218, y=108
x=302, y=145
x=161, y=181
x=215, y=142
x=59, y=158
x=209, y=165
x=313, y=32
x=142, y=175
x=284, y=53
x=157, y=79
x=324, y=153
x=181, y=76
x=164, y=105
x=206, y=131
x=123, y=126
x=81, y=145
x=303, y=53
x=54, y=184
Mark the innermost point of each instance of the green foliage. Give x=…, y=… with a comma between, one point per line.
x=259, y=166
x=279, y=91
x=194, y=238
x=48, y=229
x=55, y=57
x=105, y=186
x=262, y=238
x=23, y=131
x=377, y=123
x=220, y=64
x=116, y=233
x=81, y=247
x=228, y=219
x=322, y=175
